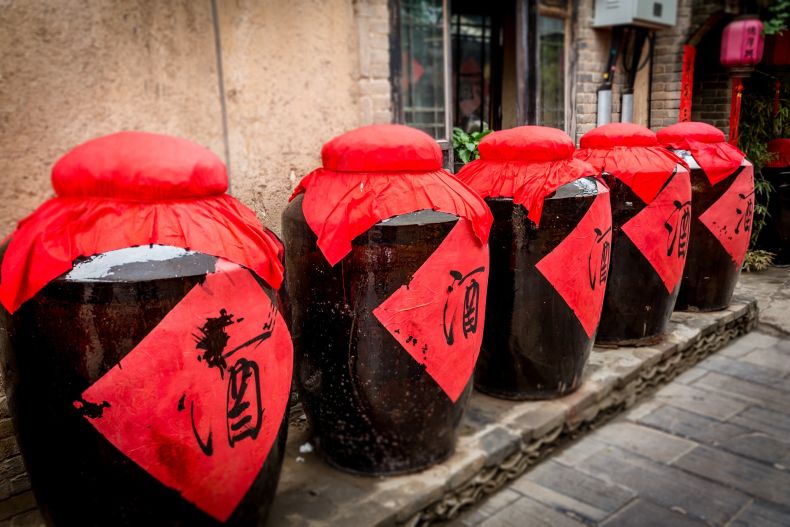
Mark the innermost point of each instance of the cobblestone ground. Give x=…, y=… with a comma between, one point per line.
x=710, y=448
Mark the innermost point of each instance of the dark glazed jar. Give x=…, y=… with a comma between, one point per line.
x=549, y=262
x=776, y=232
x=722, y=207
x=90, y=323
x=149, y=384
x=386, y=310
x=651, y=222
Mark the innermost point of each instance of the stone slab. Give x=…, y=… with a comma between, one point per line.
x=564, y=488
x=669, y=487
x=758, y=479
x=539, y=516
x=772, y=289
x=699, y=401
x=762, y=514
x=647, y=514
x=764, y=420
x=646, y=442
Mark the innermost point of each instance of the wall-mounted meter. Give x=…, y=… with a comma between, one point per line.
x=654, y=14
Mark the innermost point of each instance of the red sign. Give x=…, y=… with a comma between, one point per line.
x=661, y=230
x=730, y=218
x=735, y=110
x=578, y=267
x=438, y=316
x=199, y=401
x=687, y=82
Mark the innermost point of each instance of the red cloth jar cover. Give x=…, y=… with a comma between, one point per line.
x=708, y=146
x=781, y=149
x=128, y=189
x=630, y=153
x=527, y=164
x=377, y=172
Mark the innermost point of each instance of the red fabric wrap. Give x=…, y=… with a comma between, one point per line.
x=128, y=189
x=630, y=153
x=708, y=146
x=377, y=172
x=781, y=149
x=527, y=164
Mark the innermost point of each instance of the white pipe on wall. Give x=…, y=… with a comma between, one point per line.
x=627, y=108
x=604, y=107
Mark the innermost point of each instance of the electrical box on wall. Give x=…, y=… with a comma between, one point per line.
x=654, y=14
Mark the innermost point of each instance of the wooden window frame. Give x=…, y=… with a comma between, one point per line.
x=396, y=74
x=566, y=16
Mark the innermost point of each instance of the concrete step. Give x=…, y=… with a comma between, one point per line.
x=499, y=440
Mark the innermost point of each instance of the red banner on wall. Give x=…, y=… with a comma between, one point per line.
x=735, y=109
x=687, y=82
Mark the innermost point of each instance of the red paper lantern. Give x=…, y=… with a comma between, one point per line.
x=742, y=43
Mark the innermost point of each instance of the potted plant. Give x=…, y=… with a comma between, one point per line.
x=465, y=145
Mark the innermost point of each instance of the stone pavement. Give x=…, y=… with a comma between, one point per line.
x=710, y=448
x=771, y=288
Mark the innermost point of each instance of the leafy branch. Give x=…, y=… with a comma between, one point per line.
x=465, y=144
x=759, y=124
x=779, y=18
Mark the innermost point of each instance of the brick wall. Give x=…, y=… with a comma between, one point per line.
x=667, y=60
x=17, y=504
x=373, y=28
x=711, y=89
x=711, y=99
x=590, y=47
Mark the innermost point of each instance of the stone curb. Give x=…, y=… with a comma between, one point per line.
x=500, y=440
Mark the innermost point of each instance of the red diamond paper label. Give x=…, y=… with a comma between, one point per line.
x=730, y=218
x=199, y=401
x=438, y=316
x=661, y=230
x=579, y=266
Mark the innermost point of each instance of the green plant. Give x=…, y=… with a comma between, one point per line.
x=759, y=125
x=778, y=18
x=757, y=260
x=465, y=144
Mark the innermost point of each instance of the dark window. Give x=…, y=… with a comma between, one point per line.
x=472, y=71
x=551, y=39
x=423, y=79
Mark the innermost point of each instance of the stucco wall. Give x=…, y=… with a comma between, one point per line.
x=293, y=77
x=290, y=80
x=72, y=70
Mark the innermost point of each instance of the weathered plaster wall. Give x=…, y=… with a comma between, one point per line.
x=291, y=84
x=295, y=74
x=72, y=70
